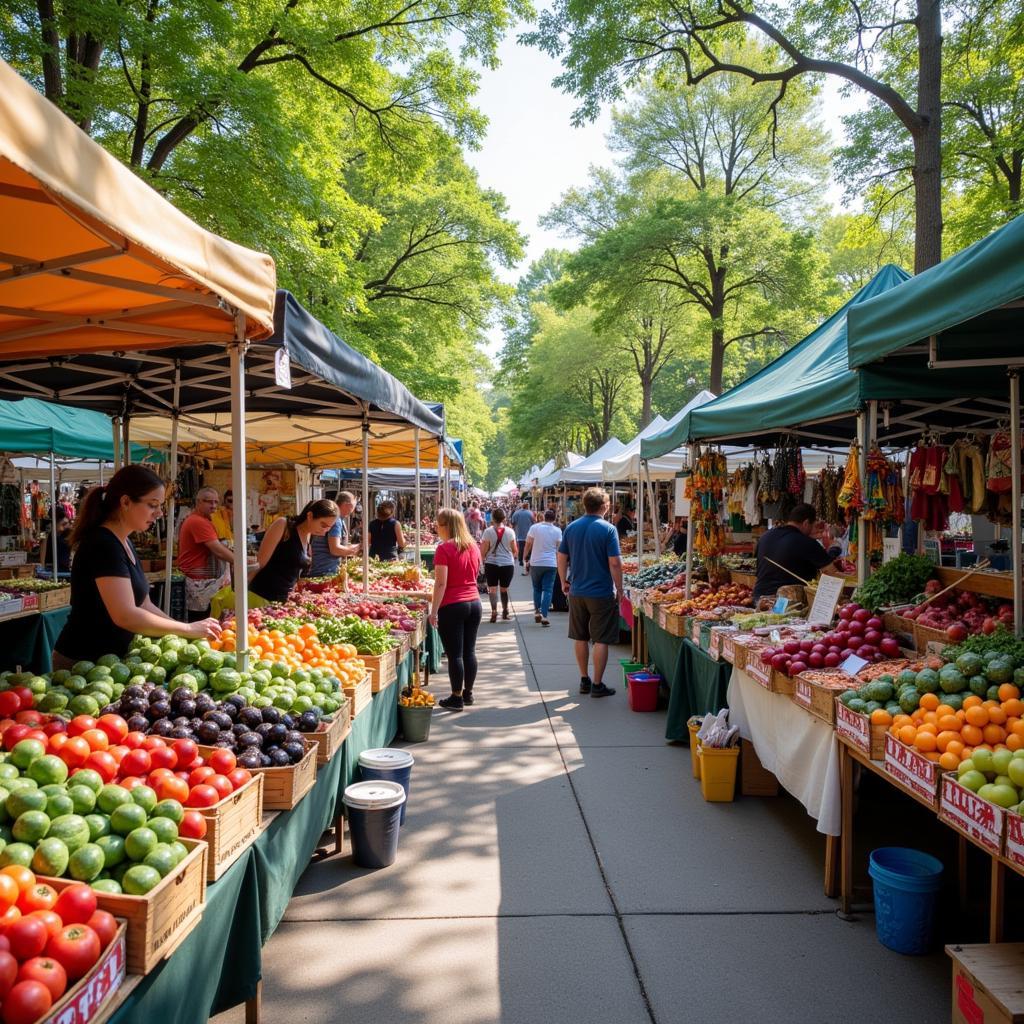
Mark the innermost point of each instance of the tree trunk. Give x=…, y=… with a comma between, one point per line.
x=928, y=138
x=646, y=385
x=717, y=311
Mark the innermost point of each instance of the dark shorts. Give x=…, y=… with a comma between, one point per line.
x=594, y=618
x=499, y=575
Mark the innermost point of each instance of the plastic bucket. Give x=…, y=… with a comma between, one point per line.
x=905, y=884
x=643, y=691
x=628, y=668
x=692, y=725
x=374, y=810
x=718, y=773
x=415, y=723
x=390, y=764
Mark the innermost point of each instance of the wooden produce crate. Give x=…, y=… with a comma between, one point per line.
x=11, y=605
x=900, y=627
x=232, y=825
x=331, y=735
x=674, y=625
x=162, y=919
x=404, y=643
x=911, y=771
x=755, y=779
x=360, y=695
x=925, y=635
x=284, y=787
x=859, y=731
x=717, y=640
x=987, y=986
x=49, y=599
x=746, y=579
x=1014, y=845
x=970, y=815
x=770, y=678
x=89, y=998
x=818, y=700
x=382, y=668
x=17, y=572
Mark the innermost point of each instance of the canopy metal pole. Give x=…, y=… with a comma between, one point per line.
x=689, y=555
x=416, y=442
x=863, y=438
x=366, y=504
x=640, y=522
x=655, y=518
x=53, y=516
x=101, y=472
x=1015, y=538
x=126, y=447
x=239, y=523
x=173, y=500
x=115, y=425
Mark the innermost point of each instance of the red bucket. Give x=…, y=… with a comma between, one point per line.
x=643, y=691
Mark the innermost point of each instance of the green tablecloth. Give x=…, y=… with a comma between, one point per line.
x=697, y=683
x=433, y=649
x=29, y=641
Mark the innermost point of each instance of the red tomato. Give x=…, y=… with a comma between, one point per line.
x=5, y=945
x=170, y=787
x=193, y=826
x=48, y=972
x=153, y=741
x=200, y=774
x=12, y=913
x=10, y=703
x=203, y=796
x=50, y=919
x=80, y=724
x=9, y=891
x=76, y=949
x=164, y=757
x=134, y=740
x=222, y=761
x=114, y=726
x=14, y=735
x=76, y=904
x=187, y=751
x=222, y=784
x=37, y=734
x=239, y=777
x=182, y=775
x=32, y=718
x=8, y=972
x=130, y=782
x=28, y=937
x=55, y=727
x=96, y=738
x=37, y=897
x=136, y=762
x=26, y=1002
x=25, y=878
x=75, y=751
x=26, y=696
x=117, y=752
x=104, y=925
x=156, y=775
x=56, y=741
x=103, y=762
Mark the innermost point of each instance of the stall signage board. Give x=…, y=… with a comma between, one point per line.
x=853, y=727
x=715, y=644
x=968, y=813
x=826, y=598
x=890, y=548
x=780, y=606
x=909, y=768
x=282, y=369
x=1015, y=838
x=760, y=672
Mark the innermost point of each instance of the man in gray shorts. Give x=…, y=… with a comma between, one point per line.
x=589, y=552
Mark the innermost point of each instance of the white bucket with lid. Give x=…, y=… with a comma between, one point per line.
x=386, y=758
x=375, y=795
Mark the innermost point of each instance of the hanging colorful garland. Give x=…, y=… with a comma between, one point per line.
x=706, y=490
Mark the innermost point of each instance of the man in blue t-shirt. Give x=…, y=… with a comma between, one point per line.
x=327, y=552
x=521, y=521
x=590, y=568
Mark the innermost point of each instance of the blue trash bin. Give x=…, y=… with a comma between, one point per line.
x=391, y=764
x=373, y=810
x=905, y=884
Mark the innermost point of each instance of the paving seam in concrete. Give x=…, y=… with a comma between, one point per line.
x=288, y=919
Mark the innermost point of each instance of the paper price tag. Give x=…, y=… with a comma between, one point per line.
x=852, y=665
x=890, y=548
x=775, y=636
x=780, y=606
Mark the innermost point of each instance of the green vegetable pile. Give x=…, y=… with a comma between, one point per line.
x=367, y=637
x=1003, y=641
x=652, y=575
x=896, y=582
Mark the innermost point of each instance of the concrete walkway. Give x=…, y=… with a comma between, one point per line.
x=559, y=865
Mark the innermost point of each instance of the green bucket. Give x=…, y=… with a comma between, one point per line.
x=628, y=667
x=415, y=723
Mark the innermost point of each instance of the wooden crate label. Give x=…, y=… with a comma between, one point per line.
x=759, y=671
x=910, y=768
x=82, y=1002
x=695, y=631
x=178, y=921
x=802, y=692
x=1015, y=838
x=967, y=811
x=30, y=602
x=729, y=648
x=853, y=726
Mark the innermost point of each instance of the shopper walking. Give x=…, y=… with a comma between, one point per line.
x=475, y=521
x=386, y=537
x=455, y=604
x=498, y=548
x=541, y=558
x=110, y=599
x=522, y=520
x=590, y=568
x=203, y=558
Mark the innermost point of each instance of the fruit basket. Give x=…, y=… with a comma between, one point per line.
x=382, y=668
x=331, y=734
x=284, y=787
x=360, y=695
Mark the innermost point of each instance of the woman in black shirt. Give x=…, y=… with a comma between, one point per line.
x=386, y=537
x=110, y=600
x=284, y=553
x=59, y=535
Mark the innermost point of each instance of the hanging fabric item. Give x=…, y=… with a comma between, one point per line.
x=999, y=475
x=850, y=500
x=971, y=474
x=706, y=490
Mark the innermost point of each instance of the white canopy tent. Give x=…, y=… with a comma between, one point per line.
x=584, y=470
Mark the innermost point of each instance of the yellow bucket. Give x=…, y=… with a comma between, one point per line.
x=693, y=724
x=718, y=773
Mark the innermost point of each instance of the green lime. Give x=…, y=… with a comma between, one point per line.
x=127, y=818
x=24, y=800
x=108, y=885
x=88, y=777
x=58, y=804
x=83, y=799
x=169, y=809
x=110, y=797
x=113, y=849
x=145, y=798
x=8, y=771
x=17, y=853
x=87, y=862
x=139, y=843
x=163, y=858
x=50, y=858
x=99, y=825
x=140, y=879
x=166, y=830
x=83, y=704
x=25, y=752
x=73, y=829
x=31, y=826
x=180, y=851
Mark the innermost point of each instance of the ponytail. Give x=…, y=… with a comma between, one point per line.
x=101, y=502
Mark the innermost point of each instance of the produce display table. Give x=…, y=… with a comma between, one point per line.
x=801, y=751
x=697, y=683
x=27, y=639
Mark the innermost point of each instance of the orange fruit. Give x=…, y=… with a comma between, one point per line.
x=943, y=740
x=1014, y=742
x=977, y=715
x=997, y=715
x=1014, y=707
x=971, y=702
x=925, y=741
x=944, y=709
x=949, y=761
x=1008, y=692
x=994, y=734
x=881, y=717
x=929, y=701
x=955, y=747
x=933, y=755
x=971, y=735
x=949, y=722
x=1016, y=727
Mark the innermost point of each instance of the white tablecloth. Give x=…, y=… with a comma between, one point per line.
x=801, y=751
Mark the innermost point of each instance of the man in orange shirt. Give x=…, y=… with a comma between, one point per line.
x=202, y=557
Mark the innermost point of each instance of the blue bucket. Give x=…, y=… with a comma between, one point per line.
x=373, y=810
x=391, y=764
x=905, y=884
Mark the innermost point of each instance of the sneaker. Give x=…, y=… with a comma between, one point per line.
x=467, y=697
x=600, y=690
x=544, y=622
x=452, y=703
x=536, y=617
x=585, y=685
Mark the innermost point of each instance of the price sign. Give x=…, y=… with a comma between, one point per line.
x=825, y=600
x=775, y=636
x=780, y=606
x=282, y=369
x=852, y=665
x=890, y=548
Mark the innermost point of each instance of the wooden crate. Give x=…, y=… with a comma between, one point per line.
x=987, y=985
x=968, y=814
x=859, y=731
x=924, y=635
x=331, y=735
x=162, y=919
x=17, y=572
x=674, y=625
x=818, y=700
x=54, y=598
x=232, y=825
x=284, y=787
x=360, y=695
x=755, y=779
x=911, y=771
x=770, y=678
x=404, y=643
x=746, y=579
x=383, y=668
x=901, y=628
x=89, y=997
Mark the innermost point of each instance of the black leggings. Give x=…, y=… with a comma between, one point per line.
x=458, y=625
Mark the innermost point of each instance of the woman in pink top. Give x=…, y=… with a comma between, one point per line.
x=455, y=605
